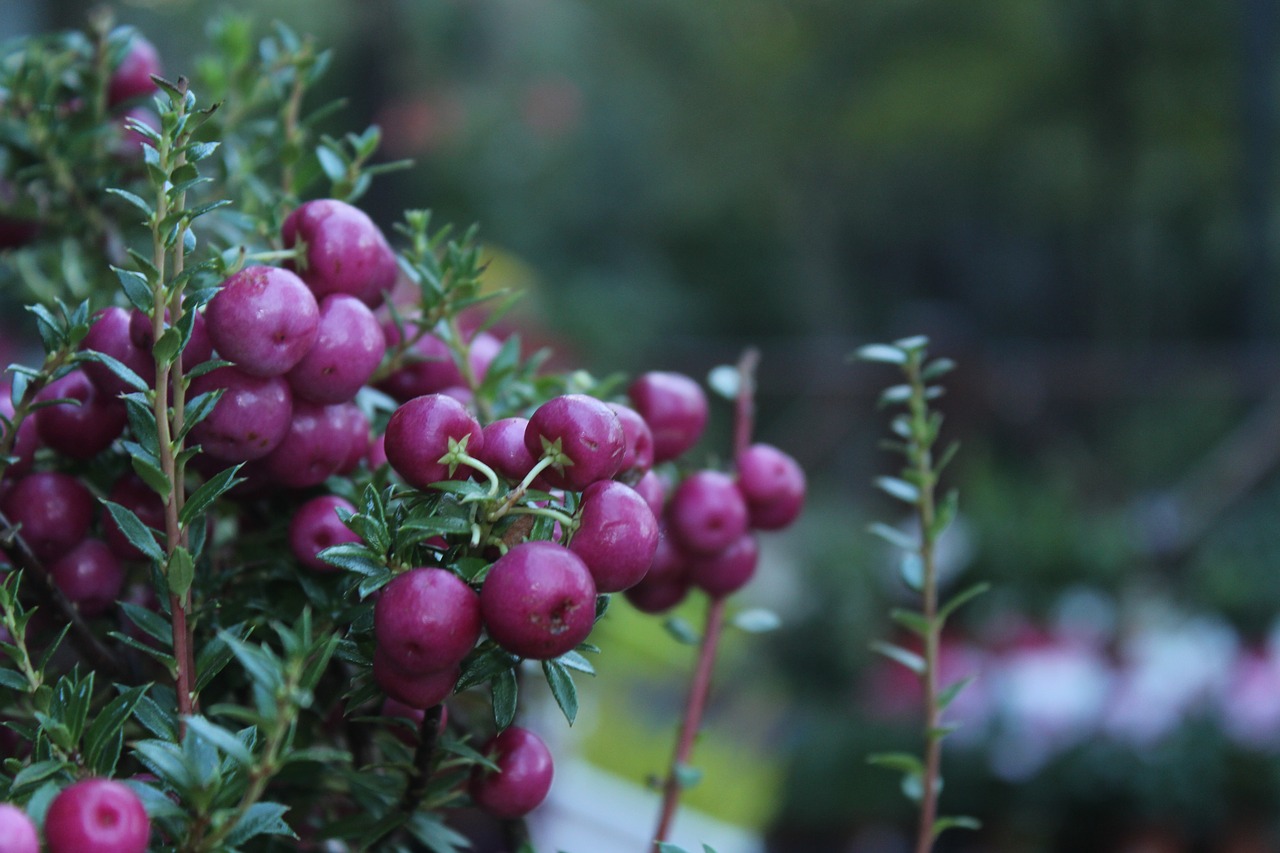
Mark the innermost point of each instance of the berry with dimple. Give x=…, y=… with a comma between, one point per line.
x=314, y=446
x=426, y=620
x=54, y=511
x=638, y=458
x=132, y=77
x=707, y=513
x=725, y=571
x=264, y=319
x=523, y=777
x=616, y=536
x=249, y=420
x=341, y=250
x=315, y=526
x=674, y=407
x=418, y=436
x=101, y=815
x=667, y=582
x=90, y=576
x=583, y=437
x=504, y=450
x=349, y=345
x=135, y=495
x=17, y=832
x=78, y=431
x=773, y=485
x=415, y=689
x=110, y=334
x=538, y=600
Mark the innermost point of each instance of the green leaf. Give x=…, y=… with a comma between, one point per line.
x=574, y=660
x=725, y=381
x=914, y=343
x=944, y=514
x=936, y=368
x=687, y=777
x=13, y=680
x=682, y=631
x=33, y=774
x=955, y=822
x=900, y=489
x=136, y=288
x=903, y=762
x=757, y=620
x=909, y=659
x=181, y=571
x=911, y=620
x=152, y=624
x=483, y=666
x=949, y=693
x=119, y=368
x=882, y=353
x=332, y=164
x=354, y=557
x=911, y=570
x=961, y=598
x=138, y=534
x=562, y=688
x=893, y=536
x=156, y=719
x=134, y=200
x=223, y=739
x=894, y=395
x=210, y=490
x=103, y=740
x=505, y=697
x=214, y=656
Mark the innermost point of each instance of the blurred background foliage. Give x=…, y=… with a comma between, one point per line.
x=1076, y=201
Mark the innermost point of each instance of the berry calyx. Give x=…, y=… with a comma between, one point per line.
x=102, y=815
x=523, y=777
x=582, y=438
x=538, y=600
x=427, y=437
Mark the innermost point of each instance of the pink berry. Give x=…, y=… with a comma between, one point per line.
x=132, y=77
x=426, y=620
x=523, y=777
x=199, y=348
x=17, y=832
x=358, y=434
x=110, y=334
x=638, y=458
x=726, y=571
x=415, y=689
x=583, y=436
x=773, y=485
x=316, y=526
x=617, y=535
x=97, y=814
x=250, y=419
x=674, y=407
x=418, y=436
x=349, y=346
x=264, y=319
x=538, y=600
x=707, y=513
x=341, y=250
x=315, y=446
x=653, y=491
x=504, y=450
x=90, y=576
x=667, y=582
x=25, y=442
x=54, y=511
x=431, y=368
x=79, y=431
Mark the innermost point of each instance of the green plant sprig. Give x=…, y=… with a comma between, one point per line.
x=916, y=433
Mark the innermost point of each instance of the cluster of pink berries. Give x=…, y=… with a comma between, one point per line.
x=96, y=814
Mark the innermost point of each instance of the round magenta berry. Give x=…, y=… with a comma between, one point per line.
x=538, y=600
x=582, y=435
x=418, y=436
x=132, y=493
x=667, y=582
x=132, y=77
x=78, y=431
x=340, y=250
x=110, y=334
x=726, y=571
x=654, y=492
x=674, y=407
x=430, y=368
x=426, y=620
x=249, y=420
x=54, y=511
x=617, y=535
x=504, y=450
x=90, y=576
x=349, y=345
x=523, y=777
x=377, y=455
x=315, y=446
x=707, y=513
x=415, y=689
x=358, y=432
x=638, y=458
x=264, y=319
x=773, y=485
x=17, y=832
x=102, y=815
x=316, y=526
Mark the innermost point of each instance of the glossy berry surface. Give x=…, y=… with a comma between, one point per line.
x=315, y=526
x=584, y=436
x=78, y=431
x=264, y=319
x=667, y=582
x=416, y=689
x=707, y=513
x=90, y=576
x=54, y=510
x=341, y=250
x=773, y=485
x=523, y=777
x=674, y=407
x=132, y=77
x=418, y=436
x=349, y=345
x=426, y=620
x=617, y=535
x=314, y=446
x=726, y=571
x=638, y=458
x=538, y=600
x=654, y=492
x=504, y=450
x=249, y=420
x=17, y=832
x=101, y=815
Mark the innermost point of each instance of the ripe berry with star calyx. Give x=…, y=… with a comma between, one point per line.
x=424, y=431
x=582, y=437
